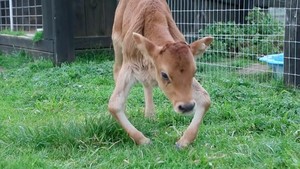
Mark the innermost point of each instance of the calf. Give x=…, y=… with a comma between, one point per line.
x=150, y=49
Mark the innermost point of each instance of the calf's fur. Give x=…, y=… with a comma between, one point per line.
x=150, y=49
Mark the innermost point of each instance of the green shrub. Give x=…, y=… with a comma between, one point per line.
x=262, y=35
x=267, y=24
x=215, y=51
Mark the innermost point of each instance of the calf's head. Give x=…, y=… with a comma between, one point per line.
x=175, y=68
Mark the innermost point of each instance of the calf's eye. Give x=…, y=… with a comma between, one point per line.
x=164, y=76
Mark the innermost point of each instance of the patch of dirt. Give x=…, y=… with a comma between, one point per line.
x=254, y=69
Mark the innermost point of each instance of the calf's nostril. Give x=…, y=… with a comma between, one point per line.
x=181, y=108
x=186, y=107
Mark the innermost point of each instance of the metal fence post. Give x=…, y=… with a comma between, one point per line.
x=11, y=19
x=292, y=45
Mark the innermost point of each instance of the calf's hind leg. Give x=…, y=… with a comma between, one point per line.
x=116, y=105
x=149, y=105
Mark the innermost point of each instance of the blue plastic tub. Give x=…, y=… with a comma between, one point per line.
x=275, y=62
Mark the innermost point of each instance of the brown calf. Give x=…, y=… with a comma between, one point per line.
x=150, y=49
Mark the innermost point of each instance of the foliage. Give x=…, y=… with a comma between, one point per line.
x=267, y=25
x=262, y=35
x=38, y=36
x=57, y=117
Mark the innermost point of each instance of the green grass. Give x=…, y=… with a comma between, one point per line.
x=38, y=36
x=57, y=117
x=13, y=33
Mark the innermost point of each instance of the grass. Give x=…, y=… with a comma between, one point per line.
x=56, y=117
x=13, y=33
x=38, y=36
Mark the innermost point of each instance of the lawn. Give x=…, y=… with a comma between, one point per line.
x=57, y=117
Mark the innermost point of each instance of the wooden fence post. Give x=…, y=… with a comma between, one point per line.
x=47, y=19
x=63, y=32
x=292, y=44
x=1, y=27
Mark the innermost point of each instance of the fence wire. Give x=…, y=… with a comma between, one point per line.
x=21, y=15
x=244, y=32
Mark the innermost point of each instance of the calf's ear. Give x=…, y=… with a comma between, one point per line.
x=145, y=46
x=199, y=47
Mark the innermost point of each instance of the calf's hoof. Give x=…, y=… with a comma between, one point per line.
x=144, y=141
x=180, y=144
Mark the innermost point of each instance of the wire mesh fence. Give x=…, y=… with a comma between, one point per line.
x=249, y=36
x=258, y=39
x=21, y=15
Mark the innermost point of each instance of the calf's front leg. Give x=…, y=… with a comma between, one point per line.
x=202, y=99
x=116, y=105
